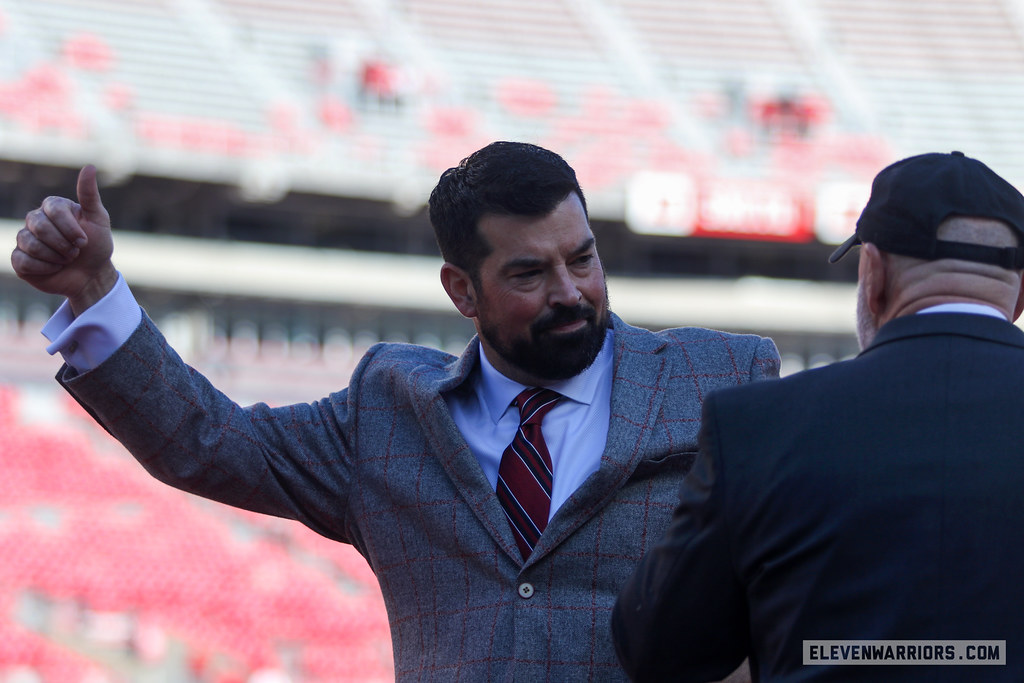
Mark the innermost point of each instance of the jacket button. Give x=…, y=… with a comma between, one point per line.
x=526, y=590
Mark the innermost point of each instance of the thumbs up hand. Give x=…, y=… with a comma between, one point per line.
x=65, y=246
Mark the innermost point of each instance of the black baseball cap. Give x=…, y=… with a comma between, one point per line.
x=910, y=198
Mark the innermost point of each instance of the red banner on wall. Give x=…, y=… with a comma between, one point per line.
x=753, y=209
x=738, y=208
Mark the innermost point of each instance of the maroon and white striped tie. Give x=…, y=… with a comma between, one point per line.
x=524, y=475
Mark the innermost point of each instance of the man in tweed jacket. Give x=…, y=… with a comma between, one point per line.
x=392, y=464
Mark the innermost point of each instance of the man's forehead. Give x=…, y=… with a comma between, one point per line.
x=541, y=245
x=566, y=226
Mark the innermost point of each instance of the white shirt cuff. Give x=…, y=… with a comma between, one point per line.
x=94, y=336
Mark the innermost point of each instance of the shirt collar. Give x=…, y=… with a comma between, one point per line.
x=977, y=309
x=498, y=391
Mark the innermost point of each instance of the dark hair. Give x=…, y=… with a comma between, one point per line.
x=503, y=178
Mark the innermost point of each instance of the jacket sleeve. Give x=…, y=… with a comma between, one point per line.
x=292, y=461
x=682, y=616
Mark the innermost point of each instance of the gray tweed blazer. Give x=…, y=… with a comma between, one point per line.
x=382, y=465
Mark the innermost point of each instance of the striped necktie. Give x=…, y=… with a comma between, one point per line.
x=524, y=475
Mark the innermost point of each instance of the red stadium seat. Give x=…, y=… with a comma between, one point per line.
x=89, y=52
x=526, y=97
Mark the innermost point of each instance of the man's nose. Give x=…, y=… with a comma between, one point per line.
x=563, y=289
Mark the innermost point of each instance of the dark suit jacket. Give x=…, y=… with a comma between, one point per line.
x=381, y=465
x=877, y=498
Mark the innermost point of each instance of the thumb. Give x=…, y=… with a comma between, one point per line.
x=89, y=193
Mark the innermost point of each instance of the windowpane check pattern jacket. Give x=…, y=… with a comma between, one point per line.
x=381, y=465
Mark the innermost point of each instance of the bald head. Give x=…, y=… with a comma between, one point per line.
x=890, y=285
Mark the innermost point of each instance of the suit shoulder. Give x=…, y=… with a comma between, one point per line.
x=394, y=362
x=395, y=352
x=679, y=336
x=708, y=346
x=684, y=335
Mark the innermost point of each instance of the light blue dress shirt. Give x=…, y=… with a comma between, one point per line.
x=976, y=309
x=575, y=430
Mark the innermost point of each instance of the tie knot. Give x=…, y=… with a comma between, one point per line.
x=534, y=404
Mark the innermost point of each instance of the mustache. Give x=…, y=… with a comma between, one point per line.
x=563, y=315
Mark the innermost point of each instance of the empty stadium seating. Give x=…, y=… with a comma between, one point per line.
x=939, y=76
x=107, y=570
x=225, y=82
x=246, y=79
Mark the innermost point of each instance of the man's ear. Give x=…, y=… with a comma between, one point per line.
x=872, y=274
x=1019, y=308
x=459, y=286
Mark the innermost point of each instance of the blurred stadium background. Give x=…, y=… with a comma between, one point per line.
x=266, y=164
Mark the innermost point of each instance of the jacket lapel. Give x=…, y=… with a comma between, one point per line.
x=635, y=406
x=453, y=453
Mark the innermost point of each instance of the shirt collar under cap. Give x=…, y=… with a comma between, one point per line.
x=498, y=391
x=965, y=307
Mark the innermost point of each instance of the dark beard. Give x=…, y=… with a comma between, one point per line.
x=555, y=356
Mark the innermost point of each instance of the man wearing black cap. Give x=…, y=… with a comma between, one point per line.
x=864, y=521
